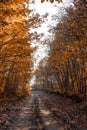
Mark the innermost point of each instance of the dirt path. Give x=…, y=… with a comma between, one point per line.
x=44, y=111
x=27, y=117
x=35, y=116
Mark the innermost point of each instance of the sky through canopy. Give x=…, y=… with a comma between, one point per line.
x=50, y=14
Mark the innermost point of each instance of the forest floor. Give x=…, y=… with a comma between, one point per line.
x=43, y=111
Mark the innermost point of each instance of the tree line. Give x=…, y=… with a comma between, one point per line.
x=15, y=50
x=65, y=70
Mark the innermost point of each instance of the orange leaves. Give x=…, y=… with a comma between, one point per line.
x=15, y=51
x=67, y=61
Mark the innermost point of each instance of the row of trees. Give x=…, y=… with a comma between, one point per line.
x=15, y=50
x=65, y=70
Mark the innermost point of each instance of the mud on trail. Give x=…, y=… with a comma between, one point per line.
x=43, y=111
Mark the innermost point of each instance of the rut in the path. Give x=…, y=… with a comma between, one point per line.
x=46, y=117
x=27, y=117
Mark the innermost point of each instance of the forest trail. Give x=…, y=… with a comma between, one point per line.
x=45, y=111
x=35, y=116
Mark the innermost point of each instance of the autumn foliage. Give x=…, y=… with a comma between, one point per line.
x=15, y=51
x=66, y=68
